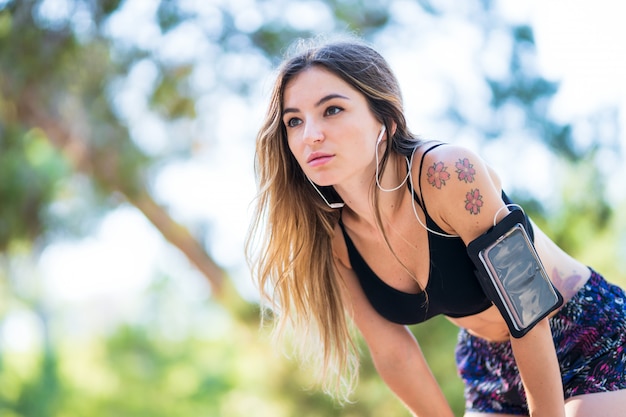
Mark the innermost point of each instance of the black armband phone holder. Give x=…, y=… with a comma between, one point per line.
x=512, y=276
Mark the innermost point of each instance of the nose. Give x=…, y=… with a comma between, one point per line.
x=312, y=133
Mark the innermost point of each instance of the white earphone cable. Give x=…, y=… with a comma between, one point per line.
x=408, y=167
x=413, y=202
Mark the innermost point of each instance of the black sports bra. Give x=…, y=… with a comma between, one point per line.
x=452, y=287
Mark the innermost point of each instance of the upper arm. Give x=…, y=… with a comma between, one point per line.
x=460, y=191
x=464, y=194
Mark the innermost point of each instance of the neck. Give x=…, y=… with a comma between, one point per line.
x=358, y=194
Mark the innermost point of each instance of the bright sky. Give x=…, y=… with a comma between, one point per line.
x=579, y=42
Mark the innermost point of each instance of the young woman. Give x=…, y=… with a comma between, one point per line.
x=358, y=221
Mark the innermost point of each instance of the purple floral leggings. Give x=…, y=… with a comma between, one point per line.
x=589, y=334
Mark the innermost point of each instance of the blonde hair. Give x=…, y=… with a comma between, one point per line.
x=289, y=245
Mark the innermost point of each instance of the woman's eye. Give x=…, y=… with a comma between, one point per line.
x=333, y=110
x=293, y=122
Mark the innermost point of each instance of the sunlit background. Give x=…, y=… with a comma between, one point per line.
x=537, y=87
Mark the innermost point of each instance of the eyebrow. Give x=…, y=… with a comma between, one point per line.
x=319, y=102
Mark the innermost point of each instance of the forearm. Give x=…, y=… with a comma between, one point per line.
x=539, y=369
x=411, y=380
x=418, y=395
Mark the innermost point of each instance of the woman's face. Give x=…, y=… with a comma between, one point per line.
x=331, y=131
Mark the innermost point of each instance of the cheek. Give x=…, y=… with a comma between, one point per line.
x=294, y=148
x=291, y=144
x=293, y=151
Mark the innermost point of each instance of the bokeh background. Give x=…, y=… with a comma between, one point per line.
x=127, y=135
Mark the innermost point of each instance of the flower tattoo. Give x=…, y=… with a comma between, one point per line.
x=465, y=170
x=437, y=175
x=473, y=201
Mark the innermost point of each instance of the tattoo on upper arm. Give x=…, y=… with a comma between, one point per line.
x=438, y=175
x=473, y=201
x=466, y=170
x=566, y=283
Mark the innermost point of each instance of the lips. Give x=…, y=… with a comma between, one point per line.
x=318, y=158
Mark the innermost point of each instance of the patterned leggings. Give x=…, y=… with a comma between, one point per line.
x=589, y=334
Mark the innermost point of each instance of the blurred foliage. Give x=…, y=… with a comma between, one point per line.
x=68, y=155
x=31, y=171
x=138, y=371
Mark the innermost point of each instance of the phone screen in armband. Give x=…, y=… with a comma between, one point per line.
x=519, y=278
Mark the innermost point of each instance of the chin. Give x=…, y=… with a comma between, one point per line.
x=322, y=182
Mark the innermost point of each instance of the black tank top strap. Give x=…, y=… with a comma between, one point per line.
x=417, y=198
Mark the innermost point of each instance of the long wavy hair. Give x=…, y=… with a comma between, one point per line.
x=289, y=245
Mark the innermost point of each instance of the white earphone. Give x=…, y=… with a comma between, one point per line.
x=380, y=136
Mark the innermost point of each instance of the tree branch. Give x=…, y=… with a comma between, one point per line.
x=87, y=160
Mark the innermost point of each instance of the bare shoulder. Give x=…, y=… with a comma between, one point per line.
x=340, y=249
x=452, y=164
x=461, y=192
x=350, y=287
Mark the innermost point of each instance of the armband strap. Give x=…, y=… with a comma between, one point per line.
x=512, y=276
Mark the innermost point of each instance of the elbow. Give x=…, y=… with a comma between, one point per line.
x=394, y=356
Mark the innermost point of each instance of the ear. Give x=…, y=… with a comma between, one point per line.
x=394, y=127
x=388, y=133
x=385, y=134
x=383, y=129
